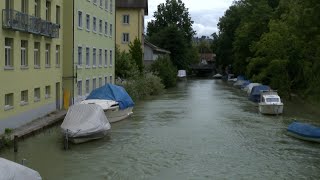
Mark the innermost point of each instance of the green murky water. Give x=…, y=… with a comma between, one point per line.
x=202, y=129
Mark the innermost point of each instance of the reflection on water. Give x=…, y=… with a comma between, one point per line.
x=202, y=129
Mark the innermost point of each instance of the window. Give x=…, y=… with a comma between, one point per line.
x=94, y=24
x=94, y=56
x=24, y=97
x=100, y=81
x=88, y=22
x=106, y=28
x=87, y=86
x=94, y=83
x=79, y=19
x=110, y=79
x=100, y=57
x=57, y=55
x=106, y=58
x=48, y=55
x=125, y=19
x=125, y=37
x=79, y=85
x=57, y=14
x=24, y=55
x=47, y=95
x=36, y=94
x=79, y=56
x=48, y=10
x=111, y=57
x=24, y=6
x=36, y=55
x=9, y=4
x=95, y=2
x=101, y=3
x=111, y=6
x=110, y=30
x=37, y=8
x=8, y=101
x=87, y=57
x=106, y=80
x=106, y=4
x=8, y=53
x=100, y=26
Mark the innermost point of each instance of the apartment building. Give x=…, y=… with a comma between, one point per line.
x=31, y=60
x=130, y=22
x=89, y=47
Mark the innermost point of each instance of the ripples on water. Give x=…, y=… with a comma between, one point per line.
x=203, y=129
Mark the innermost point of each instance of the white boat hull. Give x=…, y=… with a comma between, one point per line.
x=272, y=109
x=82, y=139
x=115, y=114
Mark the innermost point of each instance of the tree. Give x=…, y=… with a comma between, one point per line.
x=164, y=68
x=173, y=12
x=125, y=68
x=171, y=38
x=136, y=53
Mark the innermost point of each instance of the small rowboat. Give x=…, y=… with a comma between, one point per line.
x=304, y=131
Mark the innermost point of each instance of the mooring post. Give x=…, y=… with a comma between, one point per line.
x=65, y=142
x=15, y=143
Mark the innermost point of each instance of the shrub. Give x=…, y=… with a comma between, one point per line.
x=164, y=68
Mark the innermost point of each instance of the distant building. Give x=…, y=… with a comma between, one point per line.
x=89, y=47
x=130, y=22
x=31, y=60
x=152, y=52
x=209, y=58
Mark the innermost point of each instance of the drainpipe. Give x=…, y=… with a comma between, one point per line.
x=73, y=52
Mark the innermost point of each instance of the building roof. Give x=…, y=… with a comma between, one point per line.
x=156, y=48
x=133, y=4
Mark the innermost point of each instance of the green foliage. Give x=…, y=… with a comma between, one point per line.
x=146, y=85
x=173, y=12
x=126, y=67
x=136, y=53
x=275, y=42
x=164, y=68
x=5, y=140
x=171, y=39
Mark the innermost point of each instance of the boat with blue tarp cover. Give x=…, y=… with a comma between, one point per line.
x=304, y=131
x=114, y=100
x=256, y=92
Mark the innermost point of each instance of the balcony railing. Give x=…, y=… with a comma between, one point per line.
x=15, y=20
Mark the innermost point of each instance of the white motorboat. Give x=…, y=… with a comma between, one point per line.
x=85, y=122
x=114, y=100
x=182, y=75
x=15, y=171
x=270, y=103
x=111, y=109
x=217, y=76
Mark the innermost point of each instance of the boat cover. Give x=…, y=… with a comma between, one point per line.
x=113, y=92
x=84, y=120
x=245, y=83
x=304, y=129
x=182, y=73
x=249, y=87
x=256, y=91
x=14, y=171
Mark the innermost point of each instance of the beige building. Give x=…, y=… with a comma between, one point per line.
x=130, y=22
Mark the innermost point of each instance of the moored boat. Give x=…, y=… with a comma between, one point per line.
x=256, y=92
x=304, y=131
x=114, y=100
x=270, y=103
x=85, y=122
x=217, y=76
x=14, y=171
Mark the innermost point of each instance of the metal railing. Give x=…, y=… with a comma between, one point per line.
x=15, y=20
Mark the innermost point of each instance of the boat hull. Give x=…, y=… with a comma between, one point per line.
x=305, y=138
x=115, y=115
x=271, y=109
x=304, y=131
x=82, y=139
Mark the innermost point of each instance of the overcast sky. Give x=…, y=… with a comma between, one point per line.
x=204, y=13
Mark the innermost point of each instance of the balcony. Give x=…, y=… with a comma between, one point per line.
x=15, y=20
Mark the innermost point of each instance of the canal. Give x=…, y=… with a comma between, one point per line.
x=202, y=129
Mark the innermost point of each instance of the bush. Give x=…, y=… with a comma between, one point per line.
x=143, y=86
x=164, y=68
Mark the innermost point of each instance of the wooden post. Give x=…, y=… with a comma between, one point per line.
x=15, y=143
